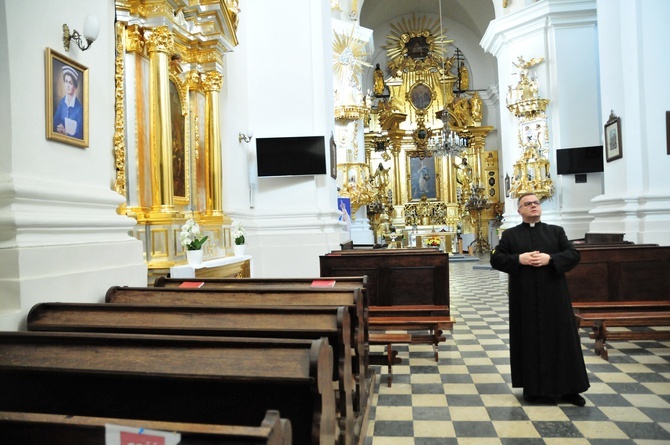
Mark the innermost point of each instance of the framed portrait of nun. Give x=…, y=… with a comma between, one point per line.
x=66, y=100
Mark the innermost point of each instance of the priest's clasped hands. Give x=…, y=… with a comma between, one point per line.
x=535, y=258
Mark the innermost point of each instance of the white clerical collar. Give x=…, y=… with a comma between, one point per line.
x=532, y=224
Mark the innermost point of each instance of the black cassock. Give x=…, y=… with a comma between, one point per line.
x=545, y=351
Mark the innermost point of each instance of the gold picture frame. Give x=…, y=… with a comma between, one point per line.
x=613, y=147
x=66, y=99
x=423, y=177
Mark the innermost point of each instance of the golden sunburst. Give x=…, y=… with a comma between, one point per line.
x=348, y=56
x=420, y=39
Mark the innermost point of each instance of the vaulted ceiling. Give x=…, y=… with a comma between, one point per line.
x=474, y=14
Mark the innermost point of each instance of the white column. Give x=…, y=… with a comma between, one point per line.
x=564, y=33
x=634, y=74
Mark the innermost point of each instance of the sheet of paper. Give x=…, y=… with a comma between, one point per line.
x=70, y=126
x=123, y=435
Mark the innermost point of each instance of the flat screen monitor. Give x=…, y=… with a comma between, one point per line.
x=570, y=161
x=291, y=156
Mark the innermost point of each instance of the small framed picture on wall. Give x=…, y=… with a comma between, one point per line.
x=66, y=100
x=613, y=148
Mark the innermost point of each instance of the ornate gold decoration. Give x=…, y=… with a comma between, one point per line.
x=348, y=62
x=119, y=119
x=134, y=39
x=356, y=184
x=413, y=45
x=212, y=81
x=523, y=99
x=159, y=40
x=531, y=171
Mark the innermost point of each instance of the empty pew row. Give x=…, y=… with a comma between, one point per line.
x=602, y=315
x=207, y=380
x=20, y=428
x=332, y=323
x=414, y=319
x=264, y=296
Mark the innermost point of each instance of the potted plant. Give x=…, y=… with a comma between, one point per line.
x=192, y=239
x=238, y=238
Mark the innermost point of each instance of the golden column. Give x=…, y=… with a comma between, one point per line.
x=211, y=83
x=159, y=45
x=477, y=143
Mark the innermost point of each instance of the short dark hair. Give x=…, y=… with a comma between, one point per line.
x=518, y=201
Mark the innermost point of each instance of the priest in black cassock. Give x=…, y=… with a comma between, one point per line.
x=545, y=351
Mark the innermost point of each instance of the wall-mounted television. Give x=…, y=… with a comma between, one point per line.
x=291, y=156
x=570, y=161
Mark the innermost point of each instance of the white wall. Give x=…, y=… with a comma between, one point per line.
x=279, y=80
x=60, y=236
x=636, y=200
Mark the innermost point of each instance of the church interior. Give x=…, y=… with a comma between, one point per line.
x=264, y=141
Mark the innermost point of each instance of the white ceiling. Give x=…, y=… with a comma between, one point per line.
x=474, y=14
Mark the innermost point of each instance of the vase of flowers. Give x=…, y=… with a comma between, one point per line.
x=239, y=240
x=192, y=239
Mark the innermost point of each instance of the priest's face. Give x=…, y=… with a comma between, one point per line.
x=529, y=209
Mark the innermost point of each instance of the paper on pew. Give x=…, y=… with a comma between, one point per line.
x=123, y=435
x=323, y=283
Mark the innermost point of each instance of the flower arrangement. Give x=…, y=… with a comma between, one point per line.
x=433, y=241
x=191, y=237
x=238, y=234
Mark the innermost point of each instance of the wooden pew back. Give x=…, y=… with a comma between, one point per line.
x=617, y=273
x=266, y=296
x=17, y=428
x=171, y=378
x=395, y=276
x=264, y=322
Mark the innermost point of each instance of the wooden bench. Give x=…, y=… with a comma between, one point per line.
x=434, y=324
x=212, y=380
x=601, y=320
x=19, y=428
x=279, y=322
x=392, y=317
x=582, y=307
x=390, y=357
x=267, y=296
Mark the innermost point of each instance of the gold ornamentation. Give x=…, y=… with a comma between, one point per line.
x=119, y=120
x=212, y=81
x=134, y=39
x=531, y=171
x=159, y=39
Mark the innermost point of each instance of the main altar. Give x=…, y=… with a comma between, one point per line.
x=426, y=169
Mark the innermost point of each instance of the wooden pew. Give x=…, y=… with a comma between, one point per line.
x=266, y=296
x=212, y=380
x=433, y=318
x=584, y=307
x=600, y=320
x=332, y=323
x=359, y=313
x=395, y=276
x=19, y=428
x=618, y=273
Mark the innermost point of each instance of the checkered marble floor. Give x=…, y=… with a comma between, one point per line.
x=467, y=398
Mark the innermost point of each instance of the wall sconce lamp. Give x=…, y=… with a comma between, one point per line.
x=247, y=137
x=91, y=31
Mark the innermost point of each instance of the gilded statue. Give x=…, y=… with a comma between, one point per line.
x=378, y=81
x=476, y=105
x=464, y=77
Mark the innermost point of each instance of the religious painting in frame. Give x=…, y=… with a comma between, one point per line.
x=423, y=178
x=613, y=147
x=66, y=99
x=181, y=159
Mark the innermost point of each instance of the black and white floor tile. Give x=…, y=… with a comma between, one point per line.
x=467, y=398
